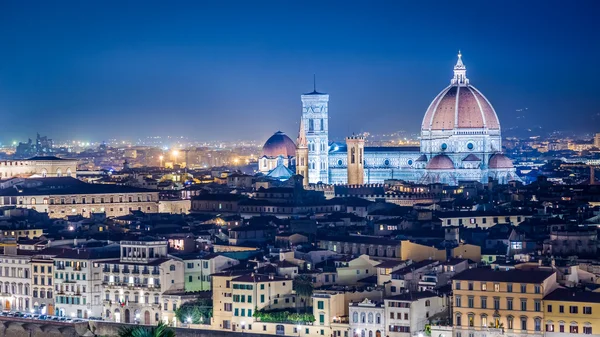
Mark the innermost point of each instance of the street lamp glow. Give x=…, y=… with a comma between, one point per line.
x=189, y=320
x=175, y=153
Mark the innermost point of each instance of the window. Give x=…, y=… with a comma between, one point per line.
x=509, y=288
x=458, y=301
x=537, y=324
x=574, y=328
x=320, y=305
x=510, y=322
x=573, y=309
x=483, y=320
x=496, y=287
x=561, y=327
x=549, y=327
x=457, y=285
x=523, y=288
x=549, y=308
x=523, y=304
x=470, y=302
x=483, y=286
x=458, y=320
x=587, y=310
x=537, y=289
x=470, y=285
x=587, y=330
x=483, y=302
x=471, y=320
x=537, y=306
x=496, y=303
x=524, y=323
x=561, y=309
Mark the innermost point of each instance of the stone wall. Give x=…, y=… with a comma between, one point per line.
x=16, y=327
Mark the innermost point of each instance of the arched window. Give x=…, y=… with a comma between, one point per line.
x=537, y=324
x=427, y=303
x=355, y=317
x=510, y=322
x=458, y=319
x=172, y=267
x=33, y=202
x=370, y=333
x=471, y=320
x=370, y=318
x=58, y=173
x=69, y=173
x=484, y=321
x=378, y=319
x=550, y=326
x=362, y=317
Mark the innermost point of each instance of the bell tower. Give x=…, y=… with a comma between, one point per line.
x=302, y=155
x=315, y=120
x=356, y=167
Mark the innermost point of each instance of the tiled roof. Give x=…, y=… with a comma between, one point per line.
x=513, y=275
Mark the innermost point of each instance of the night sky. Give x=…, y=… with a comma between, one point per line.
x=228, y=70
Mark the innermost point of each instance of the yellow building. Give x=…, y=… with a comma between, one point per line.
x=488, y=301
x=568, y=311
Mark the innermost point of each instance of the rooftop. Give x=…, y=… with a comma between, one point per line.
x=573, y=295
x=513, y=275
x=412, y=296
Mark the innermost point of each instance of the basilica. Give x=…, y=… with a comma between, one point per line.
x=460, y=141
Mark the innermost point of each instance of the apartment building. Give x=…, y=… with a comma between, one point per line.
x=488, y=301
x=42, y=281
x=78, y=281
x=15, y=282
x=134, y=284
x=407, y=314
x=573, y=312
x=199, y=268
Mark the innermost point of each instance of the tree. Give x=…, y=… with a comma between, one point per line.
x=303, y=286
x=198, y=312
x=160, y=330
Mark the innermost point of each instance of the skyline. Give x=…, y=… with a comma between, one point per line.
x=211, y=71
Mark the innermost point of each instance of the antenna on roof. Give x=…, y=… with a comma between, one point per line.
x=314, y=83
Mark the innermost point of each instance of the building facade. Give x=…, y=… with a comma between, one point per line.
x=488, y=301
x=134, y=284
x=15, y=282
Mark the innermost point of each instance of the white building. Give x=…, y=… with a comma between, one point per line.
x=367, y=318
x=315, y=120
x=15, y=282
x=77, y=281
x=133, y=284
x=408, y=313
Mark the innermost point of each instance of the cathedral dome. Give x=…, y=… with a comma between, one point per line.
x=440, y=162
x=500, y=161
x=460, y=106
x=279, y=144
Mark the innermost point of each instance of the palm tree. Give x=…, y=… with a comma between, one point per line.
x=160, y=330
x=304, y=287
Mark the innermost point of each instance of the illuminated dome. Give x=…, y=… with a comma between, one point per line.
x=440, y=162
x=279, y=145
x=500, y=161
x=460, y=106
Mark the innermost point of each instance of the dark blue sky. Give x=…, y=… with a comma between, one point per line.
x=236, y=69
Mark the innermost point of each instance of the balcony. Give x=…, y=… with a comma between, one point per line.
x=155, y=272
x=105, y=270
x=145, y=271
x=126, y=271
x=115, y=269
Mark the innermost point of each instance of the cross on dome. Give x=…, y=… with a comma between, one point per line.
x=460, y=72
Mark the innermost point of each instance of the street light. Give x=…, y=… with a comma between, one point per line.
x=161, y=157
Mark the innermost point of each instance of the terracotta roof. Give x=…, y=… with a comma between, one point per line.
x=513, y=275
x=440, y=162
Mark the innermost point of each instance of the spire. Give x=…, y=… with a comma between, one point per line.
x=314, y=83
x=460, y=72
x=301, y=141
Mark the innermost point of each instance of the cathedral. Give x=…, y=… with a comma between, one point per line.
x=460, y=141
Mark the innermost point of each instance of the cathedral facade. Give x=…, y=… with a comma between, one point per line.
x=460, y=141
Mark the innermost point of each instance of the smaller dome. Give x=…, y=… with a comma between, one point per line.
x=500, y=161
x=279, y=144
x=422, y=158
x=440, y=162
